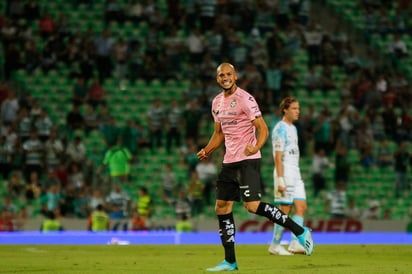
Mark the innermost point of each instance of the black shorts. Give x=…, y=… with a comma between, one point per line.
x=240, y=179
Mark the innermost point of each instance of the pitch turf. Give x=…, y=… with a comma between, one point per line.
x=181, y=259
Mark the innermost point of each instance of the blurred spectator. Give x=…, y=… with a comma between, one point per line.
x=47, y=25
x=195, y=194
x=373, y=211
x=174, y=121
x=386, y=214
x=196, y=45
x=6, y=154
x=376, y=124
x=43, y=124
x=24, y=124
x=68, y=206
x=136, y=59
x=32, y=57
x=91, y=121
x=4, y=91
x=155, y=120
x=322, y=133
x=111, y=131
x=335, y=203
x=15, y=185
x=118, y=202
x=390, y=121
x=79, y=91
x=189, y=158
x=117, y=159
x=76, y=151
x=384, y=155
x=312, y=79
x=137, y=223
x=342, y=164
x=144, y=203
x=207, y=14
x=96, y=93
x=6, y=221
x=75, y=177
x=365, y=144
x=104, y=46
x=121, y=56
x=74, y=119
x=130, y=137
x=192, y=116
x=10, y=206
x=183, y=224
x=327, y=83
x=397, y=47
x=96, y=199
x=351, y=61
x=103, y=116
x=49, y=58
x=353, y=211
x=173, y=46
x=273, y=76
x=33, y=188
x=33, y=150
x=207, y=172
x=312, y=38
x=168, y=184
x=402, y=158
x=98, y=220
x=61, y=174
x=328, y=53
x=54, y=150
x=9, y=108
x=51, y=224
x=54, y=197
x=182, y=204
x=320, y=164
x=142, y=136
x=81, y=202
x=134, y=11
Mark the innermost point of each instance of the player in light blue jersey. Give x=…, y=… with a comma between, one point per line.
x=289, y=189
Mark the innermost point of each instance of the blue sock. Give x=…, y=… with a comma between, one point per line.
x=299, y=221
x=277, y=233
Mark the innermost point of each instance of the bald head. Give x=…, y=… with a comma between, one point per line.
x=224, y=66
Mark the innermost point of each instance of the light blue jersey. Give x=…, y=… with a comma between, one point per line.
x=285, y=139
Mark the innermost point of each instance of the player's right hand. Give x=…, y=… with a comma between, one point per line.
x=201, y=155
x=280, y=186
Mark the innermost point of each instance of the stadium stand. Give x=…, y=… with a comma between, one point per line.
x=131, y=98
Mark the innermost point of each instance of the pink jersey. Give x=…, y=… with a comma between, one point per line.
x=235, y=114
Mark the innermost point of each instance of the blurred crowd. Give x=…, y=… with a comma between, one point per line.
x=47, y=169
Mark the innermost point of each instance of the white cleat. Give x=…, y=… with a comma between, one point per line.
x=296, y=248
x=276, y=249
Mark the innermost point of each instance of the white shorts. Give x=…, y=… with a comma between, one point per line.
x=295, y=190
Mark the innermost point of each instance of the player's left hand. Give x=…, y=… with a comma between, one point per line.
x=250, y=149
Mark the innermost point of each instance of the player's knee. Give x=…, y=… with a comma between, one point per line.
x=251, y=206
x=300, y=209
x=223, y=207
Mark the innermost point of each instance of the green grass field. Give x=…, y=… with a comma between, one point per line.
x=60, y=259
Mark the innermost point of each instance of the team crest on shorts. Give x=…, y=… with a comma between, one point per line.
x=233, y=104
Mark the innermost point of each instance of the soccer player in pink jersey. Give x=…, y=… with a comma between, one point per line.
x=237, y=117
